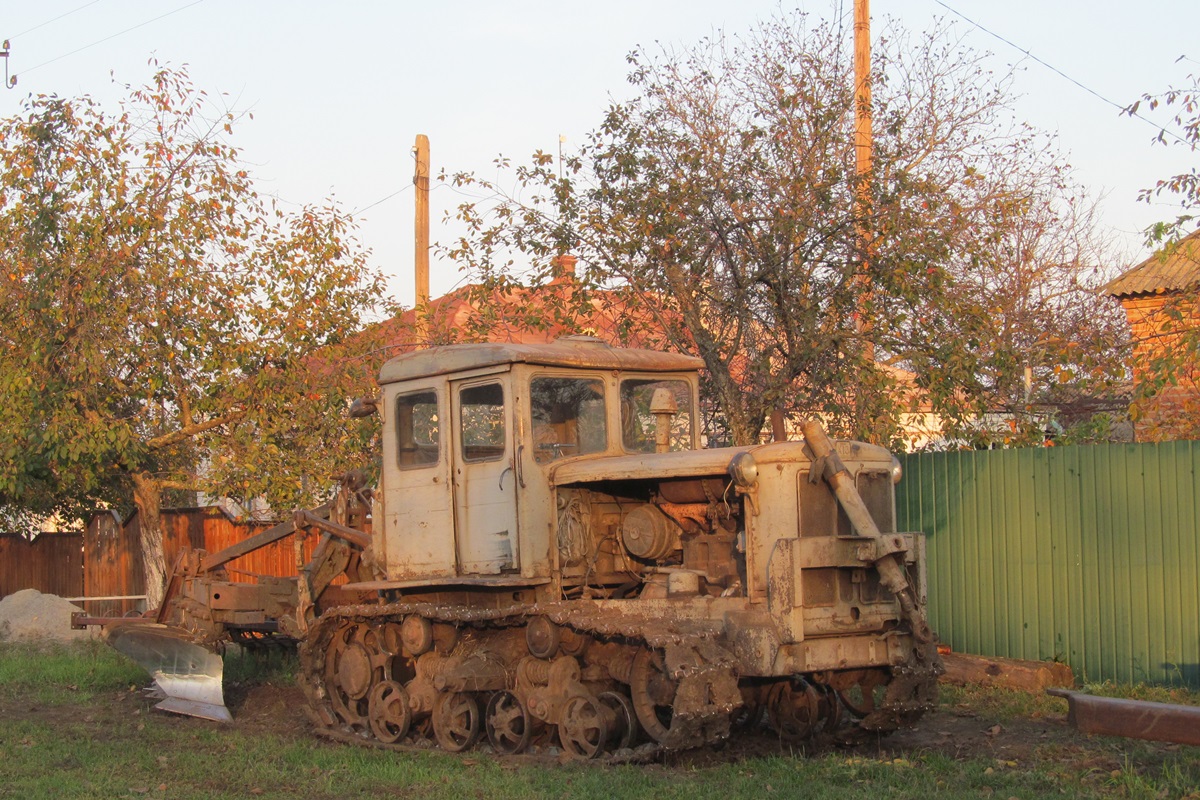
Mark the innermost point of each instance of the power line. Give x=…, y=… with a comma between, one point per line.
x=113, y=36
x=1056, y=70
x=56, y=19
x=381, y=200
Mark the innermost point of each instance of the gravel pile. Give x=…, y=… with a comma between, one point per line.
x=29, y=615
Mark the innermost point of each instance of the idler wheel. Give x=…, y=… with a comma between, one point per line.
x=354, y=662
x=456, y=721
x=652, y=692
x=354, y=671
x=583, y=728
x=509, y=726
x=389, y=712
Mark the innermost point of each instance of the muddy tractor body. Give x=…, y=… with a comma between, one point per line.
x=551, y=551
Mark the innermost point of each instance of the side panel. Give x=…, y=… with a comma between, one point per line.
x=418, y=504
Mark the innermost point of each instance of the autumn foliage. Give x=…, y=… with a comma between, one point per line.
x=159, y=318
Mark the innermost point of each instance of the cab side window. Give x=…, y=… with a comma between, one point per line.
x=647, y=404
x=417, y=429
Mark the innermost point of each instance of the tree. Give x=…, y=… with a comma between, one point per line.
x=722, y=197
x=1167, y=371
x=163, y=328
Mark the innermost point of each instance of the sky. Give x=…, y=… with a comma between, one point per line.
x=339, y=91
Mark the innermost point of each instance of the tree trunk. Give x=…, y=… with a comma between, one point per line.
x=147, y=494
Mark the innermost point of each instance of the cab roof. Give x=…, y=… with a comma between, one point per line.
x=580, y=352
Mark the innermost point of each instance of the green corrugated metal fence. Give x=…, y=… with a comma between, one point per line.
x=1089, y=555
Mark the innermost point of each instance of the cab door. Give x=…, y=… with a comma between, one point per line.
x=485, y=479
x=418, y=540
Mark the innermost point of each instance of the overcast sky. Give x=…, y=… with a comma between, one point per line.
x=340, y=90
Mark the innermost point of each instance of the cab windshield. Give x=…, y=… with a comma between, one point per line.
x=568, y=417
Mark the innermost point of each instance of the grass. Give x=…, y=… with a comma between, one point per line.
x=68, y=673
x=99, y=739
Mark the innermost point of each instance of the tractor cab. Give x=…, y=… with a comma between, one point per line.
x=473, y=433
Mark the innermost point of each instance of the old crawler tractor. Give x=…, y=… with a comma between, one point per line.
x=550, y=552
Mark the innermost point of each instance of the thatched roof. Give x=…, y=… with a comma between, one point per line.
x=1175, y=268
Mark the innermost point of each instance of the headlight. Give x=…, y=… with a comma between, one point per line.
x=743, y=470
x=897, y=470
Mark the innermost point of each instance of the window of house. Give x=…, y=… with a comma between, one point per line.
x=568, y=417
x=417, y=429
x=481, y=426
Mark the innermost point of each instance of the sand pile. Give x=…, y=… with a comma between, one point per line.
x=29, y=615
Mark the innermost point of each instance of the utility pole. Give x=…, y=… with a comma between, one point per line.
x=421, y=269
x=862, y=199
x=863, y=150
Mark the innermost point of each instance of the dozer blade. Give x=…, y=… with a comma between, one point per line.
x=188, y=674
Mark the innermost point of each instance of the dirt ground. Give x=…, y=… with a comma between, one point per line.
x=957, y=733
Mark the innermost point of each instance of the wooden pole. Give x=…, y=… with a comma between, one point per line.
x=863, y=163
x=863, y=150
x=421, y=269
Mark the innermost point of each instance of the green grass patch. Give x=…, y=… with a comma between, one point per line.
x=98, y=740
x=85, y=666
x=277, y=666
x=1144, y=691
x=1002, y=704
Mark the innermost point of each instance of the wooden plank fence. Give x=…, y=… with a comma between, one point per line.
x=51, y=563
x=106, y=559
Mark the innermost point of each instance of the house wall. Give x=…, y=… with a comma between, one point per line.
x=1173, y=411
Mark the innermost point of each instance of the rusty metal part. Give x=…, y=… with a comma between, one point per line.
x=1136, y=719
x=624, y=726
x=585, y=726
x=682, y=697
x=355, y=537
x=287, y=528
x=354, y=662
x=797, y=709
x=889, y=562
x=690, y=516
x=480, y=671
x=649, y=534
x=416, y=634
x=863, y=694
x=457, y=721
x=542, y=637
x=389, y=712
x=684, y=693
x=508, y=723
x=911, y=692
